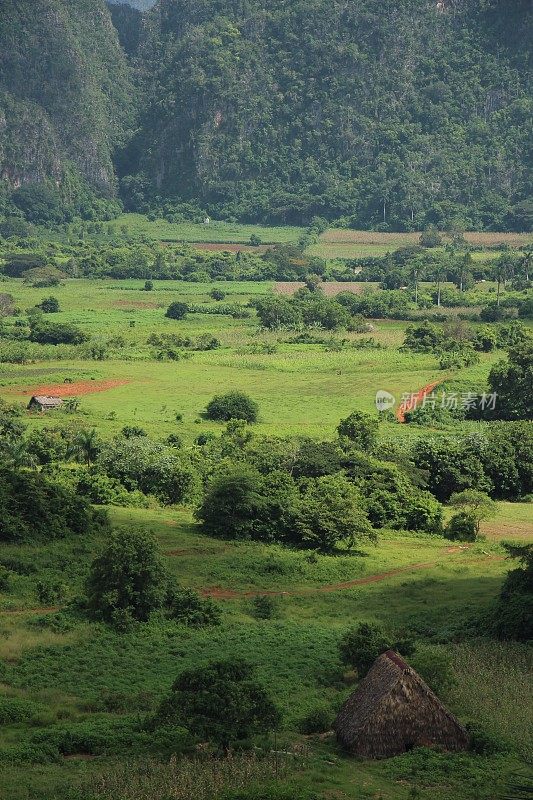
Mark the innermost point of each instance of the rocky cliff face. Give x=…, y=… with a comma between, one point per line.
x=65, y=92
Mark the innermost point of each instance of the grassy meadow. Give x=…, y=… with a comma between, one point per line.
x=76, y=676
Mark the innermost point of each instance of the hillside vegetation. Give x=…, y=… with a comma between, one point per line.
x=282, y=112
x=274, y=112
x=65, y=96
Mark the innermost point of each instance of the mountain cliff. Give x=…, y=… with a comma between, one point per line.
x=65, y=94
x=401, y=115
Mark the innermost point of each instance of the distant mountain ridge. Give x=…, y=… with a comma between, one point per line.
x=390, y=118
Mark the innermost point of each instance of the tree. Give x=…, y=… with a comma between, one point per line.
x=513, y=615
x=331, y=513
x=221, y=703
x=15, y=227
x=461, y=527
x=423, y=338
x=217, y=294
x=177, y=310
x=85, y=447
x=39, y=203
x=360, y=647
x=430, y=238
x=512, y=382
x=475, y=504
x=148, y=286
x=232, y=405
x=127, y=581
x=359, y=428
x=240, y=503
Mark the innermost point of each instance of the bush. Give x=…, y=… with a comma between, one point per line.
x=177, y=311
x=56, y=333
x=50, y=305
x=319, y=720
x=127, y=581
x=16, y=709
x=187, y=607
x=33, y=507
x=359, y=428
x=360, y=647
x=233, y=405
x=217, y=294
x=221, y=702
x=264, y=607
x=461, y=527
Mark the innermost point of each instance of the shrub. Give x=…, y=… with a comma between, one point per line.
x=5, y=578
x=319, y=720
x=33, y=507
x=221, y=702
x=434, y=665
x=233, y=405
x=50, y=305
x=49, y=592
x=127, y=581
x=461, y=527
x=17, y=709
x=177, y=311
x=360, y=647
x=217, y=294
x=187, y=607
x=56, y=333
x=263, y=607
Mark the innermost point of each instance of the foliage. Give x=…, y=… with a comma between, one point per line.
x=35, y=508
x=189, y=608
x=153, y=468
x=50, y=305
x=220, y=702
x=360, y=646
x=474, y=504
x=360, y=429
x=233, y=405
x=177, y=310
x=461, y=527
x=512, y=381
x=331, y=513
x=513, y=615
x=127, y=581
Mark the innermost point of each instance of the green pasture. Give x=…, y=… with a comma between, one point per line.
x=215, y=231
x=67, y=672
x=301, y=389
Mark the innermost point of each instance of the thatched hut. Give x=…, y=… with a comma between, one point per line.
x=41, y=402
x=393, y=710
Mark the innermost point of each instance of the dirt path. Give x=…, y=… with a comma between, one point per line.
x=415, y=399
x=218, y=593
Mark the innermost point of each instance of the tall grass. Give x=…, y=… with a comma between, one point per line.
x=193, y=778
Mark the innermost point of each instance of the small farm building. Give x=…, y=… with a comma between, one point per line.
x=392, y=711
x=41, y=402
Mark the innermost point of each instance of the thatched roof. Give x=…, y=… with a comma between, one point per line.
x=45, y=401
x=393, y=710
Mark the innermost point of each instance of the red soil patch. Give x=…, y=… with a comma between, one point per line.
x=330, y=288
x=219, y=593
x=70, y=389
x=413, y=401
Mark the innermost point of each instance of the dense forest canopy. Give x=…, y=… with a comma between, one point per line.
x=395, y=119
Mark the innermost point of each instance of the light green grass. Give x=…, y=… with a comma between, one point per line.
x=227, y=232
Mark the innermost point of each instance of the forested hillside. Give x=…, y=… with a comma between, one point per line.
x=401, y=116
x=65, y=95
x=390, y=116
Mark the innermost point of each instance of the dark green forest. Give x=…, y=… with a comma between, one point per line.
x=390, y=118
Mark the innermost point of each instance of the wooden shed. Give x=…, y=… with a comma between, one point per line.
x=41, y=402
x=392, y=711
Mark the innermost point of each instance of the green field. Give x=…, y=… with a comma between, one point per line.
x=74, y=676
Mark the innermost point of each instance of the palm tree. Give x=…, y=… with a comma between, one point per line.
x=85, y=447
x=440, y=273
x=16, y=455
